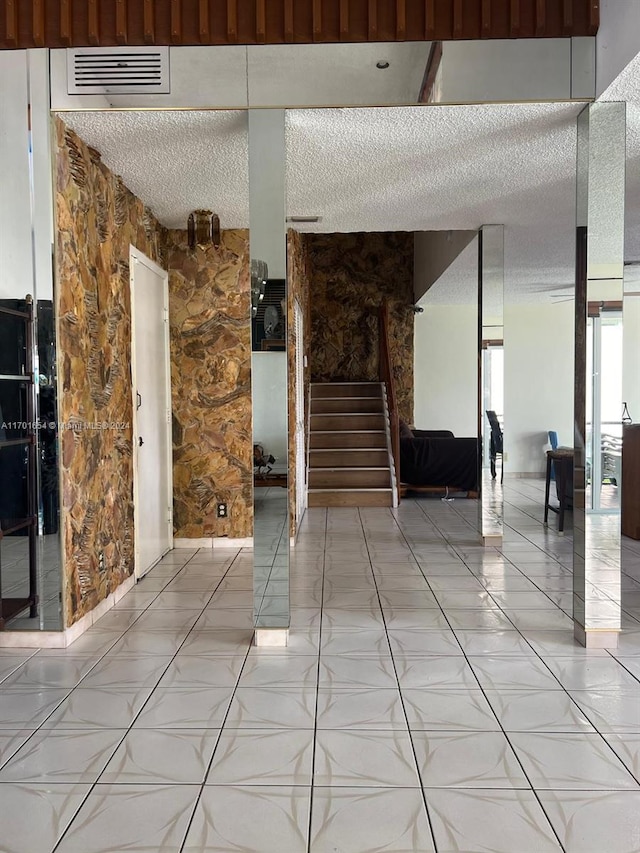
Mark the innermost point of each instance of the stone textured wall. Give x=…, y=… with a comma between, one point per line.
x=350, y=276
x=97, y=220
x=209, y=295
x=297, y=290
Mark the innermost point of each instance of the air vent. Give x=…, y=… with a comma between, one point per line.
x=118, y=71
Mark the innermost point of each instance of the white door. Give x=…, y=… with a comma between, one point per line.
x=150, y=369
x=301, y=459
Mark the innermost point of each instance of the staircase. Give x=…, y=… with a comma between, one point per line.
x=349, y=455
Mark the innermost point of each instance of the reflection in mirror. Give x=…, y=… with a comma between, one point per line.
x=630, y=491
x=30, y=563
x=446, y=336
x=597, y=477
x=490, y=381
x=267, y=237
x=364, y=74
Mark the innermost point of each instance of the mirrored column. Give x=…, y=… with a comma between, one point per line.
x=267, y=236
x=601, y=156
x=490, y=382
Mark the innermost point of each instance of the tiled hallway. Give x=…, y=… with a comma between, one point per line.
x=431, y=698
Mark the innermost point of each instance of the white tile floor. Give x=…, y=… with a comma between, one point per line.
x=431, y=699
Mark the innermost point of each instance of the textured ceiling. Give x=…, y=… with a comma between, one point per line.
x=175, y=161
x=386, y=169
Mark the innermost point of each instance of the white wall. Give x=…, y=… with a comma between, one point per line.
x=538, y=367
x=269, y=386
x=445, y=369
x=618, y=39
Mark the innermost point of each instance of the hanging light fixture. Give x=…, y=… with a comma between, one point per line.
x=259, y=276
x=203, y=228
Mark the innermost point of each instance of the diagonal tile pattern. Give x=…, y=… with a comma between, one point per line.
x=431, y=698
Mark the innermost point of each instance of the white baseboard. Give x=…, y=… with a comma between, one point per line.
x=213, y=542
x=224, y=542
x=206, y=542
x=274, y=637
x=64, y=638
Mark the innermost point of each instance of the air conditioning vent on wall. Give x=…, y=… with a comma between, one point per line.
x=118, y=71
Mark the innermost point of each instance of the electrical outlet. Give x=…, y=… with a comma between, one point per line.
x=222, y=511
x=101, y=561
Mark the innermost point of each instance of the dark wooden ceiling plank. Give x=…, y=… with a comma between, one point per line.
x=232, y=20
x=344, y=20
x=430, y=20
x=401, y=20
x=93, y=22
x=204, y=22
x=485, y=19
x=261, y=22
x=11, y=23
x=288, y=21
x=149, y=22
x=65, y=23
x=317, y=20
x=514, y=22
x=458, y=19
x=39, y=22
x=541, y=17
x=121, y=21
x=372, y=20
x=176, y=21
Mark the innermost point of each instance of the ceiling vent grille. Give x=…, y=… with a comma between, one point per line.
x=118, y=71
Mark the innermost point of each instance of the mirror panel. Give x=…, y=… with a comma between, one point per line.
x=30, y=558
x=357, y=74
x=491, y=381
x=595, y=492
x=269, y=374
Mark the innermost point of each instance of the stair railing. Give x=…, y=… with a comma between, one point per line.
x=386, y=376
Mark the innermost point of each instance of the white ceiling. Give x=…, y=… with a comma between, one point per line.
x=176, y=161
x=385, y=169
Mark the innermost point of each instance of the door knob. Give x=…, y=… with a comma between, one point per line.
x=140, y=441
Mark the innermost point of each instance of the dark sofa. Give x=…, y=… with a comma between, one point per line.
x=436, y=459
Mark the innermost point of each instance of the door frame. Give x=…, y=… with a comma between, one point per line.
x=138, y=257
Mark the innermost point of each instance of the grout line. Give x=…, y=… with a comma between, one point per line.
x=315, y=716
x=395, y=671
x=147, y=700
x=492, y=711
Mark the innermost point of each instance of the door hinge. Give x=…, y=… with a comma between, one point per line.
x=165, y=314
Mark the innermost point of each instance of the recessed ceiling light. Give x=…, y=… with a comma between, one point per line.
x=382, y=64
x=304, y=219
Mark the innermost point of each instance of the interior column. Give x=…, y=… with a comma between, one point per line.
x=600, y=179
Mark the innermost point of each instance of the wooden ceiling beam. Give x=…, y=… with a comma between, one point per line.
x=93, y=22
x=148, y=22
x=176, y=21
x=82, y=23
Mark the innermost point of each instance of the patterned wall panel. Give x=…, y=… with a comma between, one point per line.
x=97, y=220
x=209, y=293
x=350, y=275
